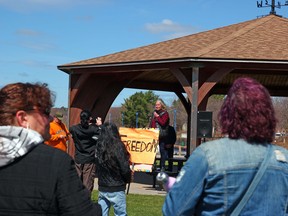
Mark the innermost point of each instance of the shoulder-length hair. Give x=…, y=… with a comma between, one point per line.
x=247, y=112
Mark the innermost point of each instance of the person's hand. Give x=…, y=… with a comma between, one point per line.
x=62, y=136
x=98, y=121
x=156, y=114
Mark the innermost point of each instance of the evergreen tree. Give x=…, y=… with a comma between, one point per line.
x=141, y=103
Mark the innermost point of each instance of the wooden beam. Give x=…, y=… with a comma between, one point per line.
x=183, y=80
x=156, y=86
x=184, y=101
x=194, y=109
x=122, y=67
x=74, y=89
x=211, y=82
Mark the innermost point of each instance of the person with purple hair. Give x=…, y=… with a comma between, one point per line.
x=221, y=176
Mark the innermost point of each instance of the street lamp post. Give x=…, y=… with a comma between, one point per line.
x=174, y=122
x=136, y=119
x=122, y=119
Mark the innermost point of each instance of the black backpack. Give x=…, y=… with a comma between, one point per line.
x=172, y=137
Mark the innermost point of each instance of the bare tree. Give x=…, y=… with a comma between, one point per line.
x=281, y=107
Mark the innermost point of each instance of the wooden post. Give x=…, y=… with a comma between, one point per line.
x=194, y=109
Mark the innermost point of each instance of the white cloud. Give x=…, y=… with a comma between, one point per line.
x=28, y=32
x=85, y=18
x=37, y=46
x=168, y=26
x=33, y=40
x=165, y=26
x=38, y=64
x=23, y=74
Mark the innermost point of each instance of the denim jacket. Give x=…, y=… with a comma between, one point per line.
x=217, y=175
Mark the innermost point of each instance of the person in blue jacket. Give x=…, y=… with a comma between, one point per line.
x=218, y=173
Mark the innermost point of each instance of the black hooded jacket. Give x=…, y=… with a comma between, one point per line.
x=85, y=140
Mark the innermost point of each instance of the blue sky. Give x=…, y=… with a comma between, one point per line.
x=38, y=35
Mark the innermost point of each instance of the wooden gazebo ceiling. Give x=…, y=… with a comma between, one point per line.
x=256, y=48
x=162, y=79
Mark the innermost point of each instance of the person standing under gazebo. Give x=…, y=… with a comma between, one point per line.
x=160, y=119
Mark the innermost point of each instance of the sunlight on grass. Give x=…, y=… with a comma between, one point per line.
x=140, y=205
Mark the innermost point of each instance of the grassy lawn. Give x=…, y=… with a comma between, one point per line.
x=138, y=205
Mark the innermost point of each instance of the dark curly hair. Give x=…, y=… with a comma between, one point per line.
x=248, y=113
x=24, y=96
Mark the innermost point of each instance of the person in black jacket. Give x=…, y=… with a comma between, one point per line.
x=36, y=179
x=113, y=169
x=85, y=137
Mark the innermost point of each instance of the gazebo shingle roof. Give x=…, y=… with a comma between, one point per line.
x=250, y=40
x=199, y=65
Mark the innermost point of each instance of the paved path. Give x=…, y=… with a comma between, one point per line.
x=143, y=182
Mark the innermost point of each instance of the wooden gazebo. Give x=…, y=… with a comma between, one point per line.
x=199, y=65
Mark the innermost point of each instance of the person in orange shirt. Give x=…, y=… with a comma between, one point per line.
x=59, y=133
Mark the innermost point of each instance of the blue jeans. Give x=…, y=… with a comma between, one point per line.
x=116, y=199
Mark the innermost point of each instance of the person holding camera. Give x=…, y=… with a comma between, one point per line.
x=85, y=136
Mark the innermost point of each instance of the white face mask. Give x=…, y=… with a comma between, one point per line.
x=27, y=126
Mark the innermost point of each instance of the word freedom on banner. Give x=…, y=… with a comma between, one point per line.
x=141, y=144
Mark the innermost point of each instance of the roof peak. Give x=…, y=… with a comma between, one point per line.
x=272, y=5
x=261, y=38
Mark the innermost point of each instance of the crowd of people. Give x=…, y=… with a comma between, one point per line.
x=240, y=174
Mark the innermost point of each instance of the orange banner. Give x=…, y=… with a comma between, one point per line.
x=140, y=143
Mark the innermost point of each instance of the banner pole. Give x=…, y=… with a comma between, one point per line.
x=128, y=188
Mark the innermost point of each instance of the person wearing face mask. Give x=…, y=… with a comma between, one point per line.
x=35, y=178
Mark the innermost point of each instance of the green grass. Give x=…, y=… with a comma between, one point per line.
x=138, y=205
